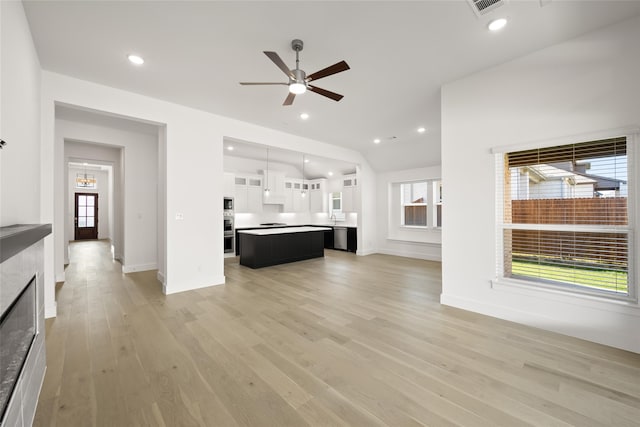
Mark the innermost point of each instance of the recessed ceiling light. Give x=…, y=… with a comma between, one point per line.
x=330, y=173
x=497, y=24
x=304, y=116
x=135, y=59
x=376, y=141
x=230, y=148
x=306, y=160
x=86, y=164
x=422, y=130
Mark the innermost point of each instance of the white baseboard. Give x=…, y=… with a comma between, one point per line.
x=366, y=252
x=169, y=290
x=411, y=254
x=51, y=311
x=139, y=267
x=160, y=277
x=560, y=324
x=60, y=277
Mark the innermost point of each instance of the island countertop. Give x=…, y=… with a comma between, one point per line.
x=284, y=230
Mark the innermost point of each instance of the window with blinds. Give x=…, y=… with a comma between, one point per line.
x=563, y=216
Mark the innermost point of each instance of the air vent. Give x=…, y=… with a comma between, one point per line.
x=482, y=7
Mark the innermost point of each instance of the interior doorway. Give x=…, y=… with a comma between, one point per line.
x=86, y=216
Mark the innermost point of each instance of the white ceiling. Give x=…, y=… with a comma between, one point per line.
x=400, y=54
x=316, y=167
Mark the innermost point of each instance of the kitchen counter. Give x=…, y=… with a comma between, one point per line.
x=266, y=231
x=271, y=246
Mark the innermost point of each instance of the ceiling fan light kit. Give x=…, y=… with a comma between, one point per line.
x=298, y=79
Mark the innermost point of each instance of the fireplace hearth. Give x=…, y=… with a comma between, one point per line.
x=17, y=332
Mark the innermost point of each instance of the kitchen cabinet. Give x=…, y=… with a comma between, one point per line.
x=275, y=181
x=240, y=203
x=261, y=248
x=352, y=239
x=288, y=196
x=229, y=185
x=248, y=194
x=300, y=200
x=318, y=196
x=350, y=193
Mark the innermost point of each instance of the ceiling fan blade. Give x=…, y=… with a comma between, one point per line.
x=280, y=63
x=255, y=84
x=333, y=69
x=289, y=99
x=327, y=93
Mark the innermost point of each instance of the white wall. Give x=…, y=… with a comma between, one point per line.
x=235, y=164
x=394, y=239
x=102, y=190
x=194, y=152
x=582, y=86
x=137, y=189
x=19, y=119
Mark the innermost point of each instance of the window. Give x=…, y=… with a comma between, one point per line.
x=563, y=219
x=421, y=204
x=437, y=191
x=335, y=206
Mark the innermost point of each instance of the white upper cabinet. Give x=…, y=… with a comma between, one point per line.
x=248, y=194
x=229, y=185
x=318, y=196
x=274, y=181
x=350, y=193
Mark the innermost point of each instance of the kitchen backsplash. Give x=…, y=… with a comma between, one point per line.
x=253, y=219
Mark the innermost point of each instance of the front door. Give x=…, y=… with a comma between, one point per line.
x=86, y=216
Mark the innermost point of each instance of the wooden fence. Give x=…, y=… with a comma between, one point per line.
x=596, y=249
x=602, y=211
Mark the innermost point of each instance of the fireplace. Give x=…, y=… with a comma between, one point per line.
x=17, y=332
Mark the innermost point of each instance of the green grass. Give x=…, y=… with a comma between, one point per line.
x=610, y=280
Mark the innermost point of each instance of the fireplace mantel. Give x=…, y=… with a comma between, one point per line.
x=18, y=237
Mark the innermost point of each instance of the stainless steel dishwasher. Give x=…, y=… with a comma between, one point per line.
x=340, y=238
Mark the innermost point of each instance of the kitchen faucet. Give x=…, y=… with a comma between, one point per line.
x=334, y=218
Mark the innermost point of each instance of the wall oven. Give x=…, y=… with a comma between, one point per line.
x=228, y=204
x=229, y=230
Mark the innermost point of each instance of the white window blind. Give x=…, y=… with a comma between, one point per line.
x=563, y=216
x=414, y=203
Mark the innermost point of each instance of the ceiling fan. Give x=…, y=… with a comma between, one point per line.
x=298, y=79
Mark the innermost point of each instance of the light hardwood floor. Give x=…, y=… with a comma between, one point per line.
x=341, y=341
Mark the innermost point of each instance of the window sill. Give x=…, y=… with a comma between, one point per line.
x=584, y=299
x=420, y=228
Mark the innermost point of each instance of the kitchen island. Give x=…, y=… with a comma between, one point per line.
x=272, y=246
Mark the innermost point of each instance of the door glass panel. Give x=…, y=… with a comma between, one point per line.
x=91, y=200
x=90, y=222
x=82, y=221
x=82, y=200
x=82, y=211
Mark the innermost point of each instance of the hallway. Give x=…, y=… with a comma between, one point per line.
x=344, y=340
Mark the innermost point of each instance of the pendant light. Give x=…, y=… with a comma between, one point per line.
x=267, y=190
x=303, y=192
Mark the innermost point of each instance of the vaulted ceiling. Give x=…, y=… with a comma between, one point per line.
x=400, y=54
